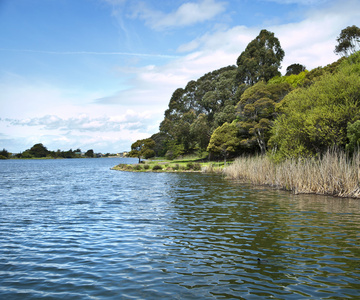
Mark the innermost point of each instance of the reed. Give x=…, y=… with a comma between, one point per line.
x=333, y=174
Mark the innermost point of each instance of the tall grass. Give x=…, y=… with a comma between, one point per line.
x=333, y=174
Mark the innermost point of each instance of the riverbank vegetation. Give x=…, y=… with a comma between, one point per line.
x=282, y=127
x=39, y=151
x=251, y=109
x=334, y=173
x=185, y=164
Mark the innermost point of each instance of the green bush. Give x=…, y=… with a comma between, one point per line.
x=138, y=167
x=197, y=167
x=189, y=166
x=157, y=167
x=146, y=167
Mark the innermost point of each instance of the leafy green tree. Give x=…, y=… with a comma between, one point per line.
x=295, y=81
x=89, y=153
x=316, y=118
x=197, y=110
x=261, y=59
x=38, y=150
x=353, y=134
x=224, y=140
x=348, y=41
x=295, y=69
x=256, y=112
x=4, y=154
x=200, y=130
x=143, y=148
x=160, y=144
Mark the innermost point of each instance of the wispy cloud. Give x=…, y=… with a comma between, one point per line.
x=84, y=123
x=189, y=13
x=90, y=53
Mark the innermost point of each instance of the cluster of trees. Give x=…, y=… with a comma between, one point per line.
x=40, y=151
x=250, y=108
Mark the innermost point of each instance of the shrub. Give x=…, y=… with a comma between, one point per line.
x=197, y=167
x=138, y=167
x=157, y=167
x=146, y=167
x=189, y=166
x=176, y=167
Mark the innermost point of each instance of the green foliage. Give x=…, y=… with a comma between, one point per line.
x=196, y=111
x=224, y=140
x=295, y=69
x=348, y=41
x=256, y=112
x=4, y=154
x=295, y=80
x=38, y=150
x=353, y=134
x=89, y=153
x=157, y=168
x=143, y=148
x=138, y=167
x=316, y=118
x=261, y=59
x=175, y=150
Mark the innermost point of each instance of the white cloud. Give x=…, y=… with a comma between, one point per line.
x=189, y=13
x=84, y=123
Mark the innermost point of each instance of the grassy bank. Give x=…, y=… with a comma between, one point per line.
x=187, y=164
x=333, y=174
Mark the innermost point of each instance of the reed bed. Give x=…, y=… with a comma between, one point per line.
x=333, y=174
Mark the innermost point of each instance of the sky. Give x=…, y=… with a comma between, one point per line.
x=99, y=74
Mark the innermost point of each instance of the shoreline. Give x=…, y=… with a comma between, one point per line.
x=176, y=166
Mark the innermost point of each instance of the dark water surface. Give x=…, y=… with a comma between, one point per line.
x=74, y=229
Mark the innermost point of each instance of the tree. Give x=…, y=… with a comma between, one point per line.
x=348, y=41
x=316, y=118
x=353, y=134
x=256, y=112
x=38, y=150
x=143, y=148
x=4, y=154
x=89, y=153
x=295, y=69
x=197, y=110
x=261, y=59
x=224, y=140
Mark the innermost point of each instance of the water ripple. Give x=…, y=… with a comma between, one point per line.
x=74, y=229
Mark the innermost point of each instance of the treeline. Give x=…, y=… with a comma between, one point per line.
x=250, y=108
x=40, y=151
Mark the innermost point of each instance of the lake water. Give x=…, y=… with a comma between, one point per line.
x=74, y=229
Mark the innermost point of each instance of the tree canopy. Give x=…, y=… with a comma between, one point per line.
x=348, y=41
x=315, y=118
x=143, y=149
x=224, y=140
x=295, y=69
x=299, y=114
x=261, y=59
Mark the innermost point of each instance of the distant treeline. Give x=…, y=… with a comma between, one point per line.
x=251, y=109
x=40, y=151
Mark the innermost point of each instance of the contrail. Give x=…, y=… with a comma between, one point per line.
x=91, y=53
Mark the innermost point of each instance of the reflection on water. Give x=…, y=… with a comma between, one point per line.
x=74, y=229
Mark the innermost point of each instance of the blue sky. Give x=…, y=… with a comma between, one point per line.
x=98, y=74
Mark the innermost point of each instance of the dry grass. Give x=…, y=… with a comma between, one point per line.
x=333, y=174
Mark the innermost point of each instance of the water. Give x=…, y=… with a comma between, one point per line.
x=74, y=229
